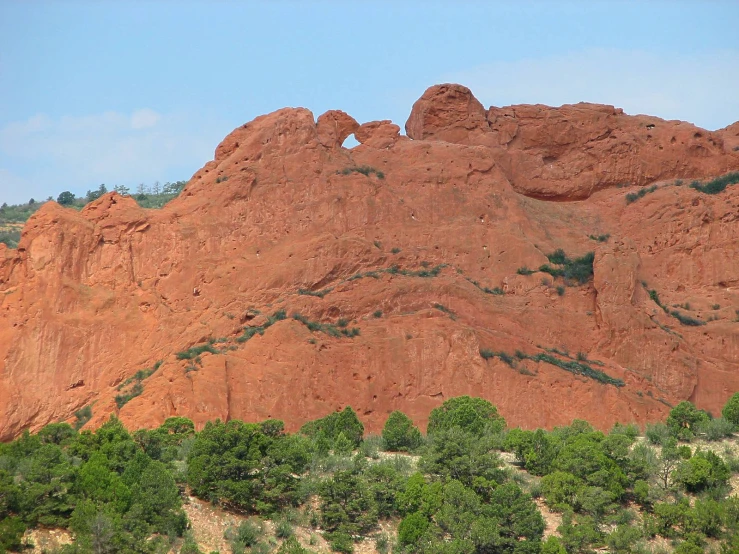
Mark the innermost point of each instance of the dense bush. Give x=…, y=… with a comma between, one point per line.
x=684, y=419
x=731, y=409
x=330, y=427
x=118, y=492
x=100, y=485
x=239, y=465
x=399, y=433
x=578, y=270
x=474, y=415
x=718, y=184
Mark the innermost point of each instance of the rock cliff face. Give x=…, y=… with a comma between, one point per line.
x=414, y=240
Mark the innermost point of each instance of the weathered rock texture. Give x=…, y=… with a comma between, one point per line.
x=90, y=298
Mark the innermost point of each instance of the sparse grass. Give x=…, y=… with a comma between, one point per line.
x=433, y=272
x=495, y=290
x=395, y=251
x=122, y=399
x=377, y=244
x=395, y=270
x=524, y=271
x=318, y=293
x=578, y=270
x=718, y=184
x=222, y=179
x=634, y=196
x=363, y=169
x=716, y=307
x=654, y=296
x=599, y=238
x=140, y=375
x=327, y=328
x=82, y=416
x=486, y=353
x=560, y=290
x=195, y=351
x=578, y=368
x=446, y=310
x=686, y=320
x=249, y=332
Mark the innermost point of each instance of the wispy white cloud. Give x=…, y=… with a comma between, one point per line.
x=701, y=88
x=143, y=119
x=47, y=155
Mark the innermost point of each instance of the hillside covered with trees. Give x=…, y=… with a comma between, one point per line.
x=470, y=486
x=147, y=196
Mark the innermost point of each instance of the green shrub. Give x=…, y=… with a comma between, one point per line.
x=382, y=543
x=703, y=471
x=685, y=417
x=623, y=539
x=578, y=270
x=399, y=434
x=364, y=170
x=686, y=320
x=412, y=528
x=731, y=409
x=524, y=271
x=249, y=331
x=283, y=529
x=715, y=429
x=370, y=447
x=718, y=184
x=446, y=310
x=247, y=533
x=473, y=415
x=82, y=416
x=122, y=399
x=326, y=328
x=341, y=542
x=195, y=351
x=190, y=546
x=486, y=353
x=634, y=196
x=578, y=368
x=345, y=422
x=657, y=433
x=552, y=546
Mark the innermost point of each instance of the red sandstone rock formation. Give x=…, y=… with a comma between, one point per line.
x=90, y=298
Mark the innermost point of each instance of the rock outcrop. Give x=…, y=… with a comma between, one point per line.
x=417, y=242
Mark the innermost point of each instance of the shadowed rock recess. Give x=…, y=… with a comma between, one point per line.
x=555, y=261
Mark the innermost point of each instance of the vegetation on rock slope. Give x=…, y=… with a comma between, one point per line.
x=122, y=492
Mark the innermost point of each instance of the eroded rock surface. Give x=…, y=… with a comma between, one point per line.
x=416, y=241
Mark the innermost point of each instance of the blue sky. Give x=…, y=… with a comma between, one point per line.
x=131, y=92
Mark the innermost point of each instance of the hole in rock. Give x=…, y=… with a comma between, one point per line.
x=350, y=142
